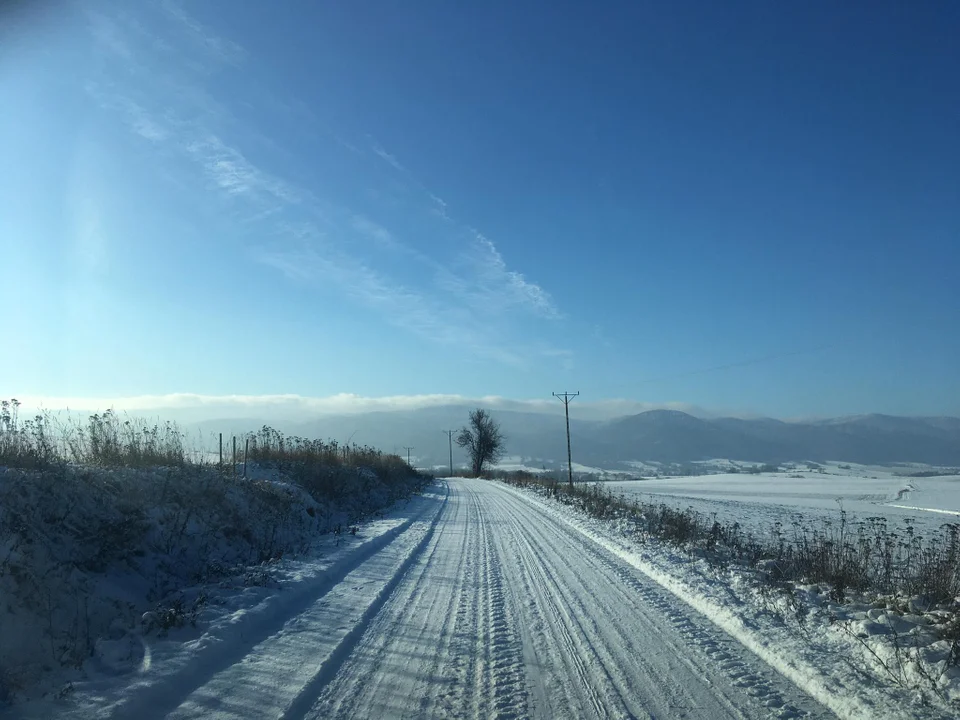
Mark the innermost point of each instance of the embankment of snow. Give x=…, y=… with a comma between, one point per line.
x=97, y=563
x=834, y=667
x=174, y=667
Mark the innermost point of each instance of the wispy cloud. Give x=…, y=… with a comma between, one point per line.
x=137, y=117
x=491, y=283
x=108, y=35
x=391, y=160
x=493, y=270
x=436, y=204
x=465, y=296
x=440, y=205
x=483, y=282
x=404, y=307
x=235, y=175
x=375, y=231
x=346, y=144
x=220, y=48
x=488, y=283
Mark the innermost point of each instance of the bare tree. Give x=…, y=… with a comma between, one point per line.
x=482, y=439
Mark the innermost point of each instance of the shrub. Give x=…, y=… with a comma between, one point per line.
x=859, y=557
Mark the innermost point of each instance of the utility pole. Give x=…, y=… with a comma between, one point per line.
x=449, y=434
x=408, y=449
x=566, y=397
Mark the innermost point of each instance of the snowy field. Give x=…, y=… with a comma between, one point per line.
x=478, y=600
x=758, y=501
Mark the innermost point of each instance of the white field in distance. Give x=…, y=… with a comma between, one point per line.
x=758, y=501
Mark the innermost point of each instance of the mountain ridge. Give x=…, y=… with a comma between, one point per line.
x=660, y=435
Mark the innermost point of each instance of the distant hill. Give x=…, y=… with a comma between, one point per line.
x=656, y=435
x=869, y=439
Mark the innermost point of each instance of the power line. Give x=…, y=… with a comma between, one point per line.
x=566, y=397
x=449, y=434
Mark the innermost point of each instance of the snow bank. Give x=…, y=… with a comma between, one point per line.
x=880, y=659
x=92, y=560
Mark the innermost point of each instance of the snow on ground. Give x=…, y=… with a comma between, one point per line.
x=519, y=464
x=834, y=657
x=481, y=600
x=590, y=470
x=642, y=466
x=514, y=463
x=484, y=605
x=98, y=566
x=148, y=675
x=758, y=501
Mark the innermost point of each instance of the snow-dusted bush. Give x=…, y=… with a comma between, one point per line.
x=103, y=440
x=359, y=480
x=81, y=548
x=111, y=527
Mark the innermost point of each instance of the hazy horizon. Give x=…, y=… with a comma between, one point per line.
x=193, y=408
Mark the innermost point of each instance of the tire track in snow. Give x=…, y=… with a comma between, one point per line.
x=327, y=669
x=368, y=675
x=503, y=680
x=708, y=655
x=454, y=699
x=585, y=607
x=444, y=645
x=743, y=671
x=553, y=619
x=531, y=555
x=467, y=628
x=724, y=653
x=165, y=697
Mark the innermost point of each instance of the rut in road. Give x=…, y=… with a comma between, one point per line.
x=646, y=654
x=444, y=645
x=511, y=613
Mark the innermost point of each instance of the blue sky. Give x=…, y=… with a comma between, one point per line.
x=741, y=206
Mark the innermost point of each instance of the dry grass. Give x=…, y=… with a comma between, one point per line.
x=127, y=500
x=862, y=557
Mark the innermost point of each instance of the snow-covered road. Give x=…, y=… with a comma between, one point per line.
x=485, y=605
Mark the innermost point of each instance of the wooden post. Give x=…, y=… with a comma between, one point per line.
x=221, y=451
x=246, y=447
x=234, y=466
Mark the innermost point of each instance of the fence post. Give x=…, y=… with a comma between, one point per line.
x=233, y=466
x=246, y=447
x=221, y=452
